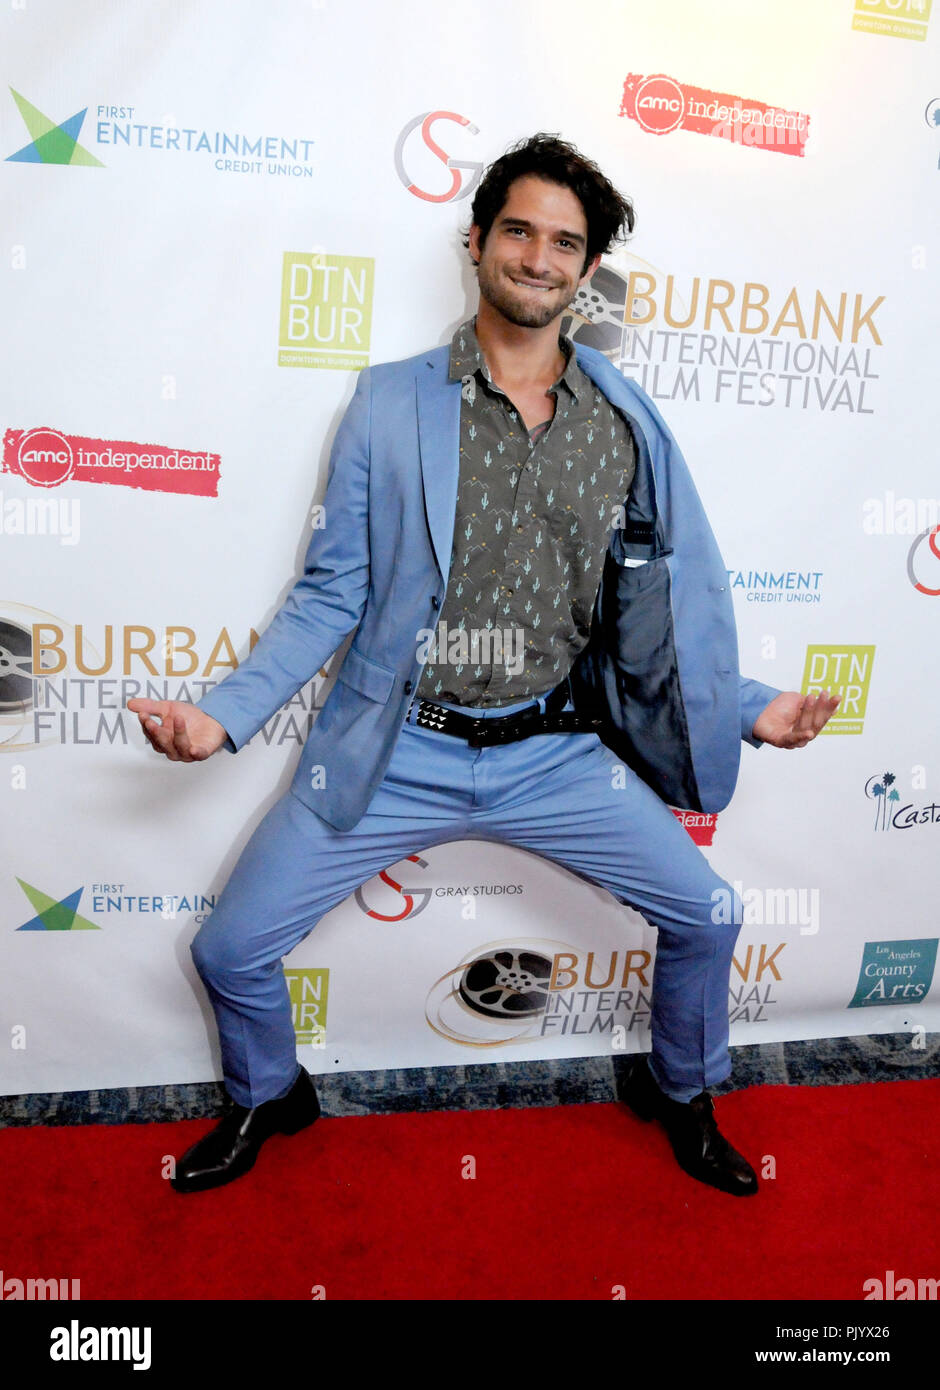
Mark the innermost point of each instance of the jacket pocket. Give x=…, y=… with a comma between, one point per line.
x=642, y=577
x=367, y=677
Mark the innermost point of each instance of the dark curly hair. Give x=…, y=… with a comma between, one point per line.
x=607, y=212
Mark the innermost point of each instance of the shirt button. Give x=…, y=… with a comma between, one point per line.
x=408, y=687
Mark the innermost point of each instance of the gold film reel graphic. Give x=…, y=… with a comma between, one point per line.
x=20, y=678
x=496, y=995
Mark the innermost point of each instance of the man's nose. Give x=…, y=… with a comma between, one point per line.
x=537, y=258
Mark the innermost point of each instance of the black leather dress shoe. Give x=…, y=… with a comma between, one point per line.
x=230, y=1149
x=699, y=1148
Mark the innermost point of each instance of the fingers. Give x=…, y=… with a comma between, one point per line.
x=814, y=714
x=169, y=736
x=181, y=741
x=151, y=732
x=831, y=707
x=141, y=706
x=807, y=724
x=824, y=707
x=160, y=735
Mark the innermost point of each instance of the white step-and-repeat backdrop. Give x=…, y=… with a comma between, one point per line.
x=214, y=213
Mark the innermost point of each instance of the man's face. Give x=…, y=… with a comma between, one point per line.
x=531, y=264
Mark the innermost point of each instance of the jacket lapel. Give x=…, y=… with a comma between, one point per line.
x=439, y=444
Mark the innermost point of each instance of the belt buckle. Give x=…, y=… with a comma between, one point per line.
x=490, y=733
x=477, y=736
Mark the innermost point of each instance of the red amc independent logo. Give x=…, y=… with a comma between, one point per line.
x=47, y=458
x=660, y=105
x=700, y=825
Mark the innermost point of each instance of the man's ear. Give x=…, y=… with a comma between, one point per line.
x=592, y=266
x=476, y=246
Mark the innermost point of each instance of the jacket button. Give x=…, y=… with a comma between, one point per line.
x=435, y=602
x=409, y=686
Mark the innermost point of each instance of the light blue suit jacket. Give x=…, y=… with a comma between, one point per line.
x=662, y=663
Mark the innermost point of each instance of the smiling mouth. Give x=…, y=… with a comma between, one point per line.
x=532, y=285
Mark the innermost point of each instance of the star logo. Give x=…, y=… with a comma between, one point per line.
x=55, y=916
x=51, y=143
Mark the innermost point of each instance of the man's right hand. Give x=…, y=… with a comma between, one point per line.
x=184, y=734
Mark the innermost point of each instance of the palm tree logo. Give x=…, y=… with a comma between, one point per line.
x=881, y=791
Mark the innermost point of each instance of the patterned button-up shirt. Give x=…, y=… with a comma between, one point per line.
x=533, y=520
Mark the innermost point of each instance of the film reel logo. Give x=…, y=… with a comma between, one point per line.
x=931, y=537
x=16, y=670
x=18, y=673
x=596, y=316
x=495, y=995
x=414, y=900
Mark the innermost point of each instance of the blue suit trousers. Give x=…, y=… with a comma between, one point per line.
x=560, y=796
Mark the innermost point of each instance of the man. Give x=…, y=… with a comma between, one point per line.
x=526, y=506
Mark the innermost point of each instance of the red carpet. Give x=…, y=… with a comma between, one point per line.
x=567, y=1203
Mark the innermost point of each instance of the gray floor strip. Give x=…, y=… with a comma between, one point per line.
x=568, y=1081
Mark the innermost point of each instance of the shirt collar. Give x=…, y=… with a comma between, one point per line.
x=467, y=360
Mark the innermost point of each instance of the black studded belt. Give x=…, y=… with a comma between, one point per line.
x=507, y=728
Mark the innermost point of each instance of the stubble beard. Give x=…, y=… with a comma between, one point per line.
x=519, y=311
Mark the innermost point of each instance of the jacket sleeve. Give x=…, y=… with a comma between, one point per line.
x=326, y=602
x=755, y=697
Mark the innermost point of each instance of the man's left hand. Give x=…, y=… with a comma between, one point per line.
x=792, y=720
